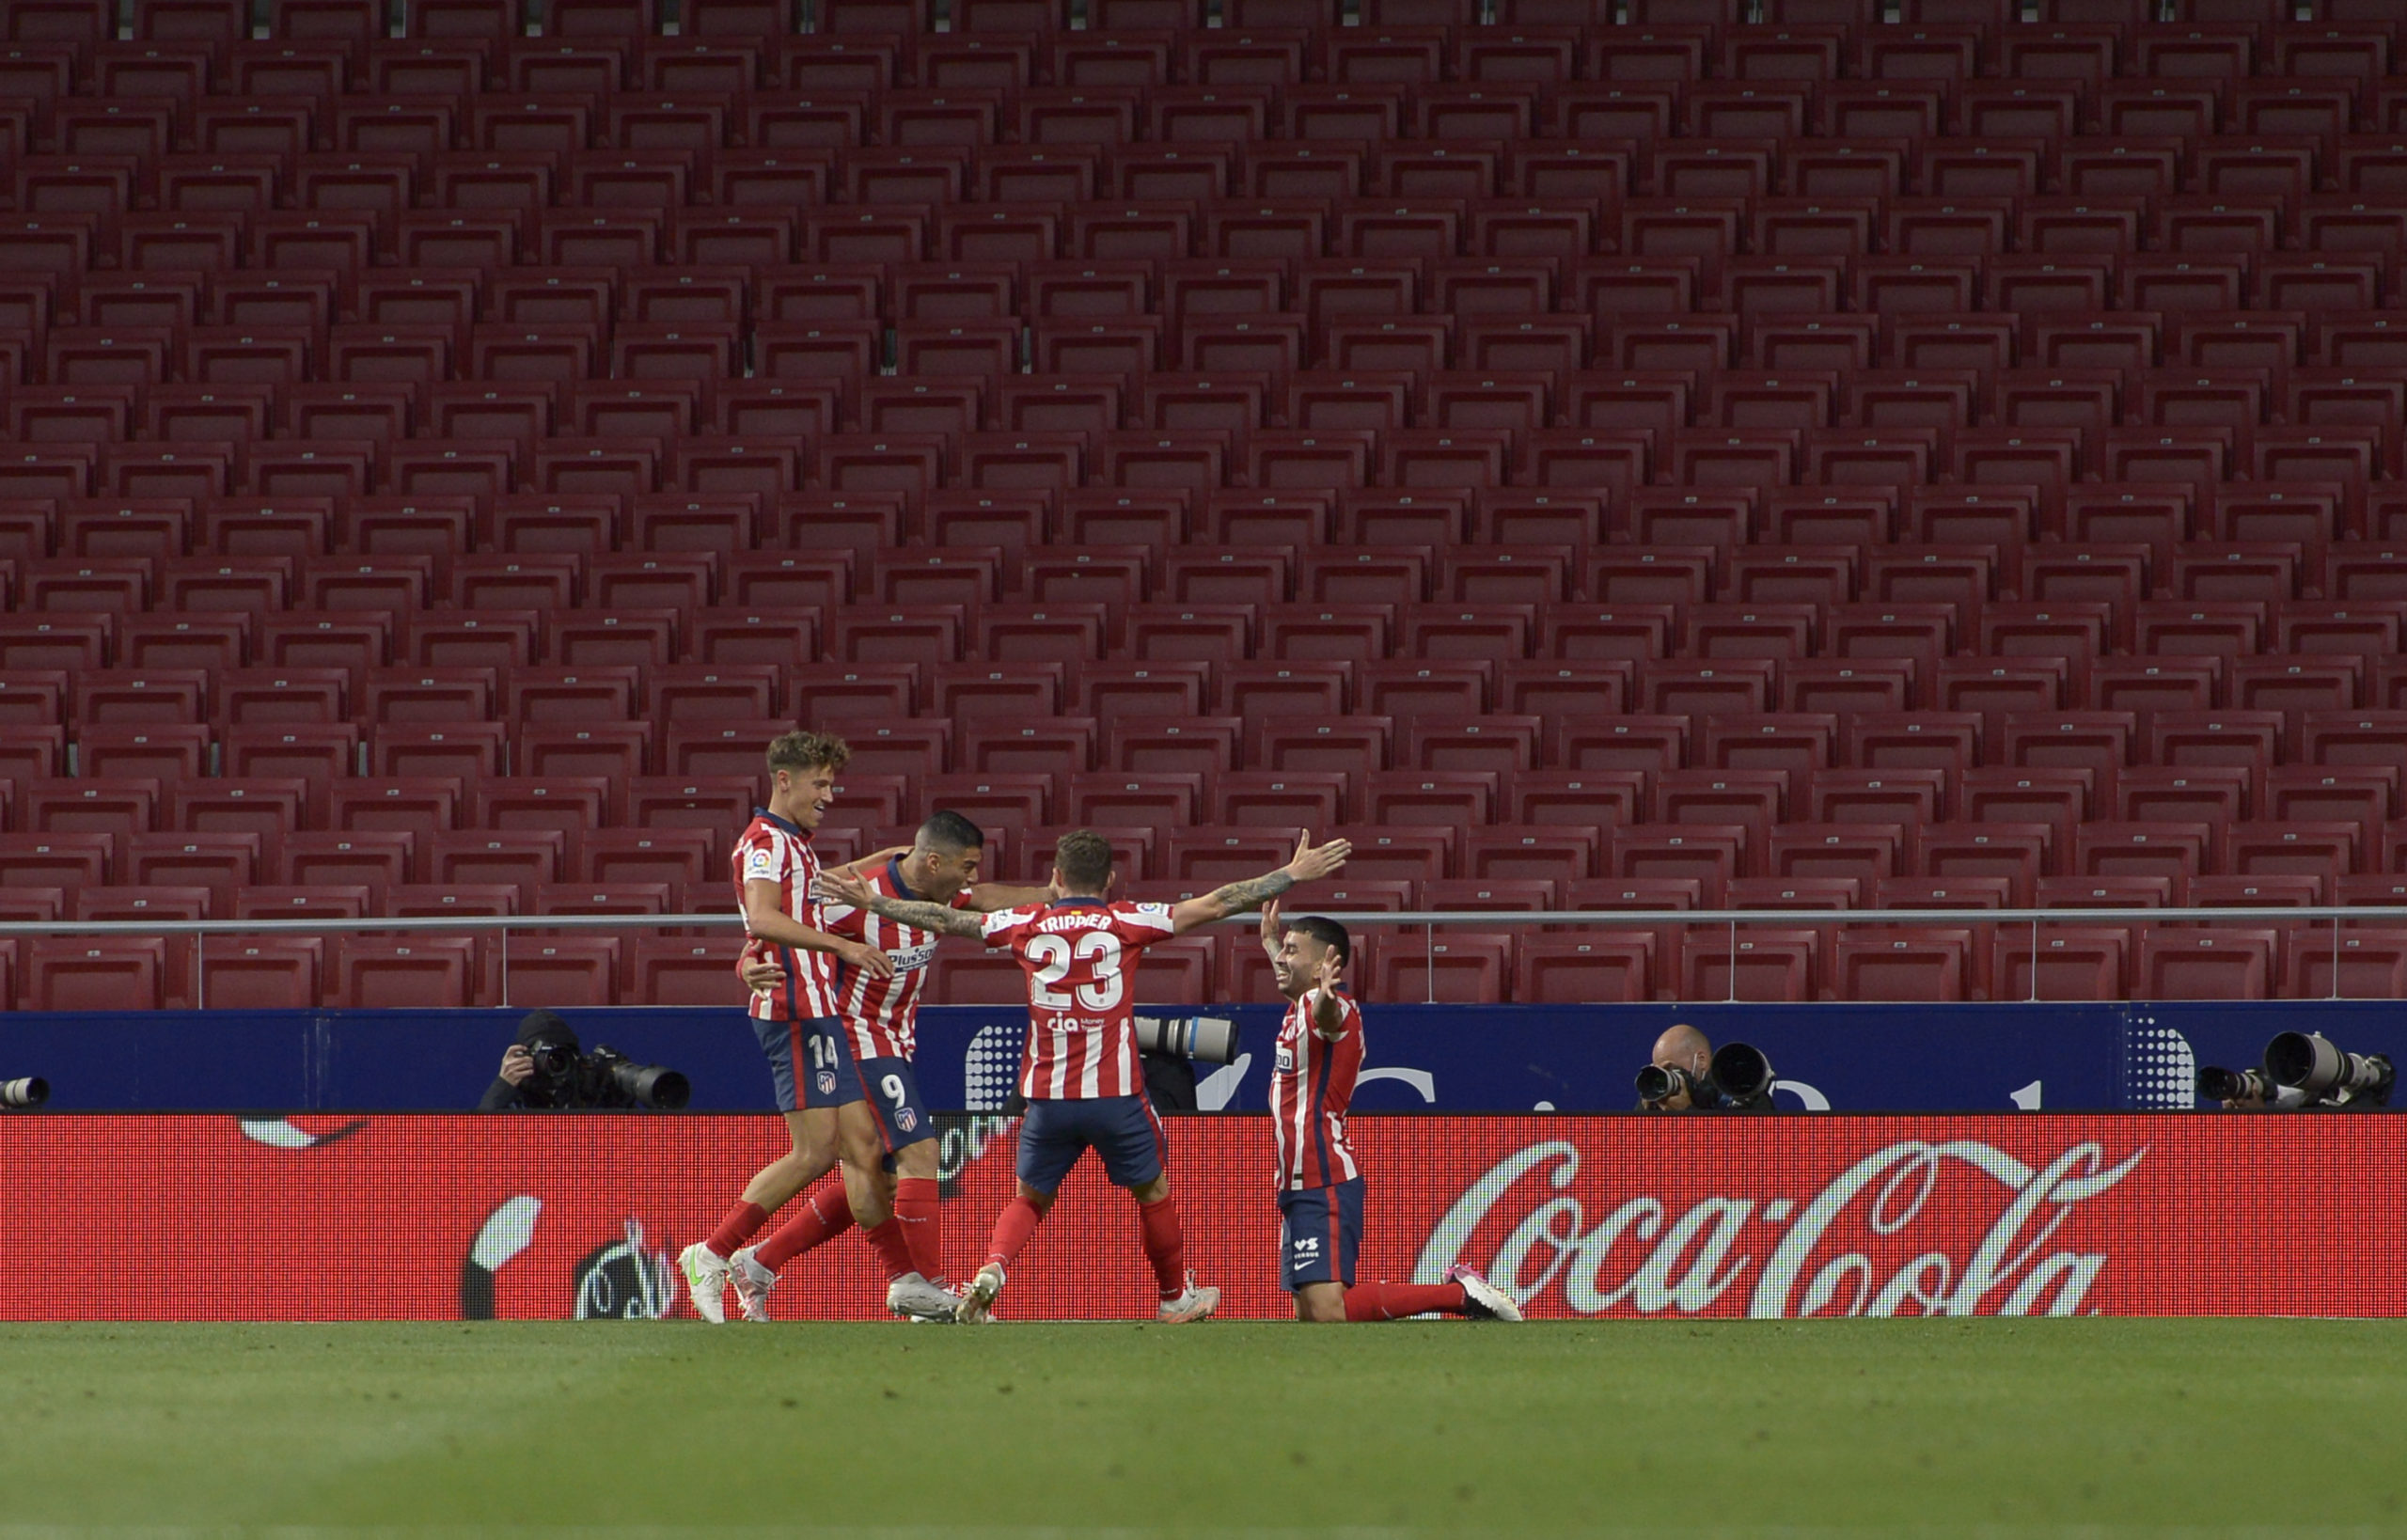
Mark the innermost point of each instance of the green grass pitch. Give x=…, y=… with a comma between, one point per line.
x=1958, y=1427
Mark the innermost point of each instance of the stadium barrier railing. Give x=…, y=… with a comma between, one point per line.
x=1427, y=921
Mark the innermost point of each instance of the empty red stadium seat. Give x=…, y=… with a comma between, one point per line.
x=92, y=973
x=1453, y=966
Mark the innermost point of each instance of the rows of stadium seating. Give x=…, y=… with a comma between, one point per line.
x=1638, y=456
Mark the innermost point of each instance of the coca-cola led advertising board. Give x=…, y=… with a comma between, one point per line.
x=545, y=1218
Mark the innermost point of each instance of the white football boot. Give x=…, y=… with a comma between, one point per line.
x=914, y=1296
x=705, y=1273
x=978, y=1300
x=970, y=1315
x=1487, y=1302
x=1196, y=1304
x=753, y=1283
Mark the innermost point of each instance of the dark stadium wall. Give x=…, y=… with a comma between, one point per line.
x=460, y=1217
x=1450, y=1058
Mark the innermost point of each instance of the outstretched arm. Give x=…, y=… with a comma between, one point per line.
x=1311, y=864
x=988, y=897
x=844, y=887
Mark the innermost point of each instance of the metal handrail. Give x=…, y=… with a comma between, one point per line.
x=1490, y=919
x=1426, y=921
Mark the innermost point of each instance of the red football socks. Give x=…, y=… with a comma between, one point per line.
x=1165, y=1246
x=1398, y=1301
x=742, y=1222
x=920, y=1211
x=1013, y=1227
x=821, y=1217
x=892, y=1251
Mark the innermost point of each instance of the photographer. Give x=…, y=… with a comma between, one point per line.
x=546, y=1070
x=1687, y=1057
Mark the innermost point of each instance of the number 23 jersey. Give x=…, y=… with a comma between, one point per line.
x=1080, y=958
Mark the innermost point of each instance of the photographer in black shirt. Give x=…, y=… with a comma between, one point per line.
x=1687, y=1057
x=546, y=1070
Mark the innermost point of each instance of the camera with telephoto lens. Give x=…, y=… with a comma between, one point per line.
x=2223, y=1085
x=604, y=1079
x=1211, y=1039
x=32, y=1091
x=1744, y=1076
x=1737, y=1079
x=613, y=1080
x=2305, y=1070
x=2310, y=1061
x=1660, y=1083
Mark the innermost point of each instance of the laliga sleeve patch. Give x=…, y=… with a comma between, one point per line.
x=763, y=865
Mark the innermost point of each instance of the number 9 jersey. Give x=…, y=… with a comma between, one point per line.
x=1080, y=958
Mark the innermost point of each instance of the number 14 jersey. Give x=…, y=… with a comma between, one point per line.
x=1080, y=958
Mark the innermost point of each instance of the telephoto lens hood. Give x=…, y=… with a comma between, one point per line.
x=1742, y=1074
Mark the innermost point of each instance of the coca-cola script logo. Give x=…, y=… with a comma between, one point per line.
x=1953, y=1228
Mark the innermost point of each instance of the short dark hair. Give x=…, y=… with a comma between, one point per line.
x=1084, y=859
x=1327, y=932
x=948, y=830
x=808, y=751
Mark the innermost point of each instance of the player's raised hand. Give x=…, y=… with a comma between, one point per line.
x=840, y=886
x=1328, y=975
x=1313, y=862
x=1271, y=929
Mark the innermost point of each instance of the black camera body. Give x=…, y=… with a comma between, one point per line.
x=605, y=1079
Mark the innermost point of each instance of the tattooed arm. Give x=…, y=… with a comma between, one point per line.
x=987, y=897
x=844, y=887
x=1311, y=864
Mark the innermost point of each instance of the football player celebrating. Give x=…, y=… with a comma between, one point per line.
x=809, y=1063
x=1320, y=1187
x=880, y=1019
x=1078, y=1070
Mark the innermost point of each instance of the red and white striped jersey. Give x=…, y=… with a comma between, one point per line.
x=883, y=1014
x=773, y=849
x=1311, y=1089
x=1080, y=958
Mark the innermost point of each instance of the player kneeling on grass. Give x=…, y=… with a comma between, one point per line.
x=1078, y=1070
x=1320, y=1187
x=880, y=1016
